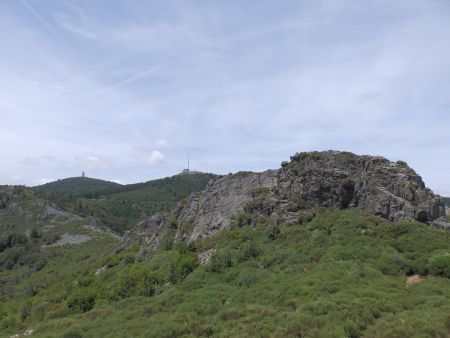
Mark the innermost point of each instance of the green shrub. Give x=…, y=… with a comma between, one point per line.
x=220, y=260
x=129, y=259
x=25, y=310
x=439, y=264
x=186, y=264
x=72, y=334
x=392, y=264
x=247, y=251
x=273, y=232
x=240, y=219
x=136, y=281
x=259, y=192
x=402, y=164
x=35, y=233
x=297, y=203
x=16, y=239
x=305, y=217
x=82, y=300
x=50, y=238
x=9, y=322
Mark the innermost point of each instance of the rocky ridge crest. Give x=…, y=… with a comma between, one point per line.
x=332, y=179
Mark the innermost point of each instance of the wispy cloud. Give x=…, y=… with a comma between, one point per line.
x=236, y=86
x=42, y=20
x=137, y=76
x=64, y=21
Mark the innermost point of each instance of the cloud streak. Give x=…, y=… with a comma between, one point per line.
x=245, y=87
x=42, y=20
x=137, y=76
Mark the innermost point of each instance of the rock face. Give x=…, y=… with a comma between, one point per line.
x=333, y=179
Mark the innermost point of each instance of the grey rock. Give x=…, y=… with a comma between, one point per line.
x=70, y=239
x=331, y=179
x=50, y=211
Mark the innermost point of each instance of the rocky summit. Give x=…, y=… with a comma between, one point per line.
x=289, y=195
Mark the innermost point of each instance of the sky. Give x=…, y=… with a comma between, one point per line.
x=126, y=90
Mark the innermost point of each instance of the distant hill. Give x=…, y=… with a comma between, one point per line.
x=29, y=223
x=328, y=179
x=121, y=206
x=79, y=186
x=447, y=201
x=331, y=244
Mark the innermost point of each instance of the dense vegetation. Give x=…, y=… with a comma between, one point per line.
x=121, y=206
x=78, y=186
x=339, y=274
x=447, y=201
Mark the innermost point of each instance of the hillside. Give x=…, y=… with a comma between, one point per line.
x=121, y=206
x=332, y=244
x=329, y=179
x=342, y=274
x=447, y=201
x=34, y=234
x=77, y=186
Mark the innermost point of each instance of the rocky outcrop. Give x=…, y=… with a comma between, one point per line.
x=392, y=191
x=38, y=209
x=340, y=179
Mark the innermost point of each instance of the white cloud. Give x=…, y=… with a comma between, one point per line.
x=365, y=78
x=45, y=181
x=65, y=22
x=93, y=163
x=156, y=158
x=117, y=181
x=162, y=144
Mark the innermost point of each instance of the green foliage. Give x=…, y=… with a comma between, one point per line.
x=35, y=233
x=183, y=265
x=72, y=334
x=122, y=206
x=78, y=186
x=259, y=192
x=447, y=201
x=296, y=204
x=273, y=232
x=243, y=173
x=82, y=300
x=136, y=281
x=402, y=164
x=342, y=274
x=50, y=238
x=439, y=264
x=241, y=218
x=305, y=217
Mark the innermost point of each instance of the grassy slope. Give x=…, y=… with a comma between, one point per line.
x=34, y=275
x=120, y=207
x=341, y=275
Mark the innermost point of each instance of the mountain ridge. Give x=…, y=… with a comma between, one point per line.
x=76, y=186
x=315, y=248
x=331, y=179
x=121, y=206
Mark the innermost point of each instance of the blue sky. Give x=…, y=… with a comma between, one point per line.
x=125, y=90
